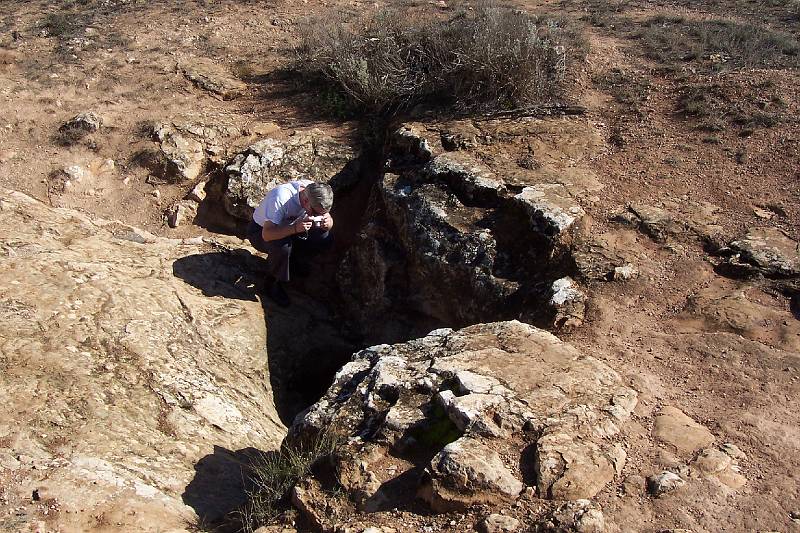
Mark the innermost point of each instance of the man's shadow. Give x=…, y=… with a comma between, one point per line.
x=305, y=348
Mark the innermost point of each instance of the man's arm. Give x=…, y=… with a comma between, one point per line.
x=273, y=232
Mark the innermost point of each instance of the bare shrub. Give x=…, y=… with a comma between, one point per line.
x=274, y=474
x=492, y=57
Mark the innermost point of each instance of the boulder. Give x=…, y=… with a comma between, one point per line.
x=469, y=399
x=183, y=157
x=768, y=251
x=469, y=180
x=126, y=392
x=569, y=303
x=88, y=122
x=551, y=209
x=421, y=237
x=466, y=473
x=270, y=162
x=660, y=484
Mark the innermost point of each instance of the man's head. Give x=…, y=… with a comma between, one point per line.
x=317, y=198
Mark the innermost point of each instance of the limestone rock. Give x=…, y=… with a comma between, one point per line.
x=449, y=394
x=88, y=121
x=625, y=272
x=664, y=482
x=580, y=516
x=466, y=177
x=198, y=192
x=183, y=156
x=768, y=251
x=674, y=219
x=467, y=472
x=673, y=427
x=551, y=208
x=181, y=213
x=115, y=384
x=568, y=302
x=271, y=162
x=498, y=523
x=212, y=77
x=409, y=146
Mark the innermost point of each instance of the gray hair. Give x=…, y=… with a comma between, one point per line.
x=320, y=196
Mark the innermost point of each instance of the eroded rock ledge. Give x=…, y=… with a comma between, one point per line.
x=124, y=390
x=471, y=417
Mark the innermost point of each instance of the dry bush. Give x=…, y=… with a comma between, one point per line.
x=488, y=58
x=672, y=39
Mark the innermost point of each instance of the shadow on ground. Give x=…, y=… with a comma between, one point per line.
x=305, y=343
x=220, y=482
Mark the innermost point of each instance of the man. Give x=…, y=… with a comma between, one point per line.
x=293, y=221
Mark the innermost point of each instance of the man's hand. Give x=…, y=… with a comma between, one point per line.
x=303, y=225
x=327, y=222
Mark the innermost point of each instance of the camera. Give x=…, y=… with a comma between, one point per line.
x=317, y=221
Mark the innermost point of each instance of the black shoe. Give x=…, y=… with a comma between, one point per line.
x=277, y=294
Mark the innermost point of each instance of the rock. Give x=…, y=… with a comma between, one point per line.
x=686, y=220
x=88, y=121
x=77, y=173
x=303, y=501
x=580, y=516
x=664, y=482
x=768, y=251
x=673, y=427
x=624, y=273
x=7, y=155
x=181, y=213
x=733, y=451
x=470, y=181
x=117, y=363
x=198, y=192
x=763, y=213
x=271, y=162
x=551, y=209
x=498, y=523
x=212, y=77
x=465, y=473
x=569, y=303
x=409, y=146
x=451, y=391
x=633, y=484
x=183, y=157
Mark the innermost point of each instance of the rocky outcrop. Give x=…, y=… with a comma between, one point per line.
x=125, y=392
x=452, y=237
x=766, y=251
x=472, y=416
x=272, y=161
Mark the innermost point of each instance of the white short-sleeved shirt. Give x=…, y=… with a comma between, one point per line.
x=281, y=205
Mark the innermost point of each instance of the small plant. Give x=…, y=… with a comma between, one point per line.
x=274, y=474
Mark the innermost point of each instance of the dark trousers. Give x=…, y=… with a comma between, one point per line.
x=300, y=248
